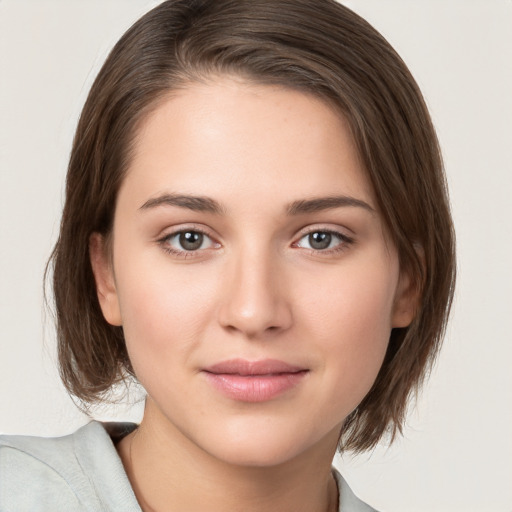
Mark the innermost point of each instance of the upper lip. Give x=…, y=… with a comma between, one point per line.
x=261, y=367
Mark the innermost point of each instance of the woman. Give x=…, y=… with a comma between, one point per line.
x=257, y=229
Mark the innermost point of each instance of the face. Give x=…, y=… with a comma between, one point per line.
x=250, y=271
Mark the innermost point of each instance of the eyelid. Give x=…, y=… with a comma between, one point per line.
x=345, y=240
x=187, y=226
x=339, y=232
x=326, y=228
x=167, y=234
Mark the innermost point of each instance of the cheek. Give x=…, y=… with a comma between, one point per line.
x=354, y=299
x=350, y=317
x=164, y=311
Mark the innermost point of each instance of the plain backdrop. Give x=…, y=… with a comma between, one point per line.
x=456, y=453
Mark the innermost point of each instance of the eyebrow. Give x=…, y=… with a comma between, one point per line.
x=326, y=203
x=195, y=203
x=301, y=206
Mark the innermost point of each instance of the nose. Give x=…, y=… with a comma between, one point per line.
x=254, y=301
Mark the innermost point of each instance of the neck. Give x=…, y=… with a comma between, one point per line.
x=169, y=472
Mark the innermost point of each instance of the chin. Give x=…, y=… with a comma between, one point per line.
x=262, y=446
x=251, y=455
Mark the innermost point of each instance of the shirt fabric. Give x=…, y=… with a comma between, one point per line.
x=82, y=472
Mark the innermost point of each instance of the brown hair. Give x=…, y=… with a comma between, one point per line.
x=319, y=47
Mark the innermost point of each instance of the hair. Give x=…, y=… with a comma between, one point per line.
x=320, y=48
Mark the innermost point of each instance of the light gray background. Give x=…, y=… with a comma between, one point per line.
x=456, y=454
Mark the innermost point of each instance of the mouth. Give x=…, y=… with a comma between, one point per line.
x=254, y=381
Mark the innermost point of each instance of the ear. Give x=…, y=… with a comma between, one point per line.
x=408, y=295
x=104, y=278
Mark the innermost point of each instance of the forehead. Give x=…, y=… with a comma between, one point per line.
x=230, y=137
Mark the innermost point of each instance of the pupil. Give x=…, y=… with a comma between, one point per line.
x=320, y=240
x=191, y=240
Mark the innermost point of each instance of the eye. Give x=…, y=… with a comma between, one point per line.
x=323, y=241
x=188, y=241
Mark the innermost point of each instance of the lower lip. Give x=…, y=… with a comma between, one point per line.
x=254, y=388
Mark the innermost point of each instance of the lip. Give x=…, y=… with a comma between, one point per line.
x=254, y=381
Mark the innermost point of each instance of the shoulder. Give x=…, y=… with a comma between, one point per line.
x=81, y=471
x=348, y=501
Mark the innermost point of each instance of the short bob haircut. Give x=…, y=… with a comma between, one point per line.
x=318, y=47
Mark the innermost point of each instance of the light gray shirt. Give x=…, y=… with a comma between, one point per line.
x=82, y=472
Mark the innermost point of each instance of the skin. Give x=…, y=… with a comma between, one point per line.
x=256, y=289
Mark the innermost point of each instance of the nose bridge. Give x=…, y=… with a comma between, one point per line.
x=253, y=301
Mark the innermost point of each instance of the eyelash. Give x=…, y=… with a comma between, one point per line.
x=344, y=242
x=164, y=242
